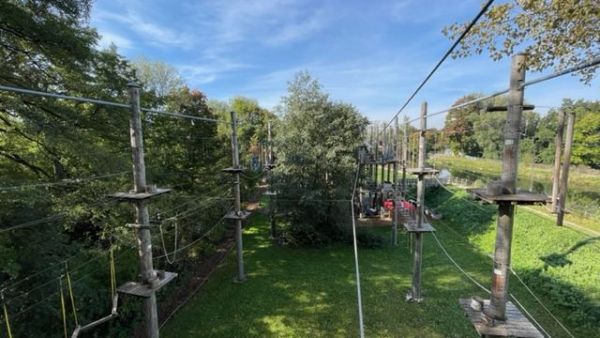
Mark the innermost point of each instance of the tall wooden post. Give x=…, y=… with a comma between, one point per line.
x=142, y=218
x=273, y=233
x=395, y=184
x=371, y=158
x=404, y=158
x=237, y=202
x=557, y=152
x=376, y=154
x=564, y=177
x=506, y=210
x=418, y=236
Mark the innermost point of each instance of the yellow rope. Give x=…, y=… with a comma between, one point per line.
x=113, y=277
x=62, y=306
x=71, y=296
x=6, y=320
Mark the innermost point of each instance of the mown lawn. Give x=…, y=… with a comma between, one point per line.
x=293, y=292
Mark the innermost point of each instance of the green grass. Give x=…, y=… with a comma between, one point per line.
x=293, y=292
x=584, y=183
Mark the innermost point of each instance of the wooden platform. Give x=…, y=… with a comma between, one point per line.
x=142, y=290
x=233, y=215
x=234, y=170
x=412, y=227
x=521, y=197
x=422, y=171
x=134, y=196
x=516, y=324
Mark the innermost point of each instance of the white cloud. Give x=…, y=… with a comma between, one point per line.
x=148, y=31
x=108, y=38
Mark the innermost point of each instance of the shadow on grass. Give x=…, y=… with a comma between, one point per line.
x=560, y=259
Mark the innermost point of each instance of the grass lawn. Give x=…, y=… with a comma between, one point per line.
x=293, y=292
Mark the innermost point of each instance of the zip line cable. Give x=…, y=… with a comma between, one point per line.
x=541, y=303
x=530, y=315
x=592, y=63
x=30, y=307
x=458, y=266
x=37, y=287
x=358, y=293
x=48, y=219
x=206, y=233
x=104, y=103
x=460, y=38
x=64, y=182
x=63, y=96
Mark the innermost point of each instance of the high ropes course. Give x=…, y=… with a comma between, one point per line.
x=377, y=190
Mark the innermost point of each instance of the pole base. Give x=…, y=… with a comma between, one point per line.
x=237, y=280
x=412, y=299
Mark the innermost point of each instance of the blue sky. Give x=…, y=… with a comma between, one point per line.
x=369, y=53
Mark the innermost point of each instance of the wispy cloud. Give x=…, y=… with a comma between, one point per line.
x=147, y=32
x=107, y=38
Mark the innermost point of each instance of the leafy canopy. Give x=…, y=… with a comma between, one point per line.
x=554, y=33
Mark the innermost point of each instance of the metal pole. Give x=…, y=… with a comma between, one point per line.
x=558, y=144
x=564, y=178
x=144, y=239
x=506, y=210
x=238, y=204
x=404, y=158
x=395, y=181
x=418, y=249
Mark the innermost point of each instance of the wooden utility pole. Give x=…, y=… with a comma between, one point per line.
x=371, y=153
x=271, y=192
x=395, y=184
x=506, y=209
x=237, y=202
x=376, y=154
x=557, y=152
x=418, y=249
x=404, y=158
x=420, y=226
x=499, y=317
x=564, y=177
x=151, y=280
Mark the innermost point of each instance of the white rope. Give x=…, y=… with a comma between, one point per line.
x=458, y=266
x=358, y=293
x=162, y=238
x=196, y=240
x=542, y=304
x=462, y=198
x=530, y=316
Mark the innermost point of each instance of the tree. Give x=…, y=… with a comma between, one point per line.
x=459, y=127
x=316, y=146
x=554, y=33
x=586, y=136
x=157, y=76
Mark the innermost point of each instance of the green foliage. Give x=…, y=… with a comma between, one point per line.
x=586, y=137
x=316, y=149
x=554, y=33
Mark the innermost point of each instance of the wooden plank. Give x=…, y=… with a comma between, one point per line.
x=422, y=171
x=138, y=196
x=516, y=324
x=143, y=290
x=521, y=197
x=412, y=227
x=234, y=170
x=235, y=216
